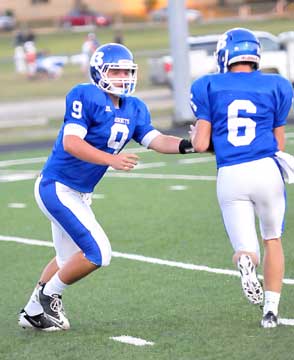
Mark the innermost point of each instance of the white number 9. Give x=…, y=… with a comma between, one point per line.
x=77, y=109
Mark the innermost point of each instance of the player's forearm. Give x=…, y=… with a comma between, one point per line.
x=84, y=151
x=200, y=136
x=165, y=144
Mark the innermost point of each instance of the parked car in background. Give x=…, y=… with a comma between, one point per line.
x=84, y=18
x=274, y=58
x=7, y=22
x=162, y=15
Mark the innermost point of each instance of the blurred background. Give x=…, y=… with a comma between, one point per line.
x=45, y=46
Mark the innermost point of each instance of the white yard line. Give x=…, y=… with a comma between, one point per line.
x=131, y=340
x=142, y=258
x=160, y=176
x=25, y=175
x=137, y=341
x=288, y=322
x=17, y=177
x=11, y=175
x=37, y=160
x=42, y=159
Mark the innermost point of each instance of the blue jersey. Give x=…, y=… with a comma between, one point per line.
x=243, y=109
x=107, y=129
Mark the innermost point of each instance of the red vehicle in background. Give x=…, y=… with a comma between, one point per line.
x=84, y=18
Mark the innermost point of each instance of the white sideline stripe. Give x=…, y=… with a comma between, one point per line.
x=289, y=322
x=149, y=165
x=142, y=258
x=32, y=175
x=139, y=149
x=160, y=176
x=17, y=177
x=138, y=341
x=141, y=165
x=196, y=160
x=36, y=160
x=17, y=205
x=131, y=340
x=42, y=159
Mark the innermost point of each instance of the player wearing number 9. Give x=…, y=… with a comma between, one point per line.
x=100, y=119
x=244, y=112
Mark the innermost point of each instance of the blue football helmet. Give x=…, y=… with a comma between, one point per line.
x=113, y=56
x=237, y=45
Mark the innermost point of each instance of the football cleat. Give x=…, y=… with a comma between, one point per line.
x=269, y=320
x=250, y=284
x=37, y=322
x=53, y=309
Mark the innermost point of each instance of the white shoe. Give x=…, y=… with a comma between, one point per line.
x=53, y=309
x=269, y=320
x=37, y=322
x=250, y=284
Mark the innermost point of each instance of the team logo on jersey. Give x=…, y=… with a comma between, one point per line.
x=107, y=108
x=122, y=121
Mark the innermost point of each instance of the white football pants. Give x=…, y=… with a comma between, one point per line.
x=73, y=222
x=250, y=188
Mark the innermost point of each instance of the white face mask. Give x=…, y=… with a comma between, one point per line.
x=122, y=85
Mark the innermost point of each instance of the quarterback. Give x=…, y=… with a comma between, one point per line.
x=100, y=119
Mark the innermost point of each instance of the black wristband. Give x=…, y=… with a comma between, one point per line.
x=185, y=147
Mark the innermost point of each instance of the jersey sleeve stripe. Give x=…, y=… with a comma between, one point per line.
x=75, y=129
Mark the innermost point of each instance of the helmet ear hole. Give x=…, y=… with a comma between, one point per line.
x=118, y=57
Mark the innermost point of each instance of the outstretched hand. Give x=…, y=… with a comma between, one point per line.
x=125, y=161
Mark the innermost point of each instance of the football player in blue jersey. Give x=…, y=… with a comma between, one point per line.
x=242, y=112
x=100, y=119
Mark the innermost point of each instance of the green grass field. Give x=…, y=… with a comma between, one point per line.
x=160, y=212
x=187, y=314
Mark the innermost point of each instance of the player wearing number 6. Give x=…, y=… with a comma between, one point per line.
x=100, y=119
x=244, y=113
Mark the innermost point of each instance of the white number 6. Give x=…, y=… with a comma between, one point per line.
x=235, y=122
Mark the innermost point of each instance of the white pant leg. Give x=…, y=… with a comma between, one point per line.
x=244, y=189
x=64, y=246
x=77, y=206
x=239, y=220
x=270, y=201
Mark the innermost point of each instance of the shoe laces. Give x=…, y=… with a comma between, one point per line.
x=56, y=303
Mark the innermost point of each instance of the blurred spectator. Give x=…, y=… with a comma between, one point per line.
x=19, y=39
x=50, y=66
x=88, y=48
x=30, y=58
x=24, y=35
x=118, y=36
x=19, y=59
